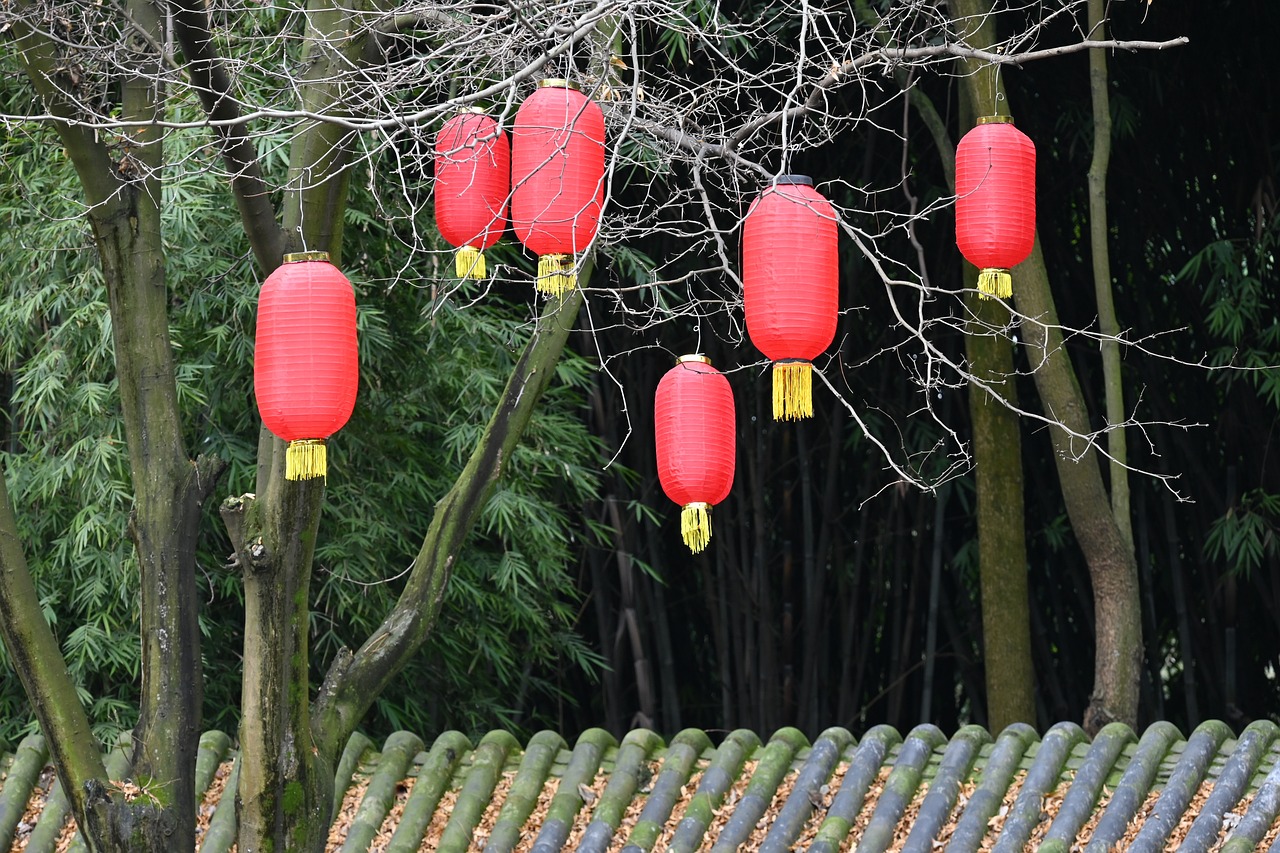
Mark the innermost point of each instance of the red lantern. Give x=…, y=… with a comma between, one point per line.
x=473, y=179
x=791, y=286
x=995, y=201
x=557, y=177
x=306, y=364
x=694, y=433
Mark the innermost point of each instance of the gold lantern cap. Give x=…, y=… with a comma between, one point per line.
x=297, y=257
x=694, y=357
x=996, y=120
x=558, y=83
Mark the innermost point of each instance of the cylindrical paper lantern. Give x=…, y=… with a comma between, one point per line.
x=791, y=286
x=557, y=178
x=694, y=429
x=473, y=180
x=995, y=201
x=305, y=361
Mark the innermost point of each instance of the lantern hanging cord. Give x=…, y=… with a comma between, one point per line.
x=995, y=282
x=469, y=263
x=306, y=459
x=792, y=390
x=695, y=525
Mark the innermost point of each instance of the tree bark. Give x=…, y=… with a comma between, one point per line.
x=354, y=681
x=997, y=451
x=123, y=196
x=1117, y=606
x=1116, y=602
x=1117, y=447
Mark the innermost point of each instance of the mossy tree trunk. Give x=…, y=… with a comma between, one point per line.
x=997, y=450
x=121, y=173
x=1117, y=607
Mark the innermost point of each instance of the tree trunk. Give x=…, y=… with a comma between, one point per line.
x=286, y=787
x=997, y=453
x=123, y=190
x=1002, y=545
x=1117, y=447
x=1117, y=607
x=1116, y=603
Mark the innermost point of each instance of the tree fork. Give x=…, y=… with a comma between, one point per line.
x=354, y=680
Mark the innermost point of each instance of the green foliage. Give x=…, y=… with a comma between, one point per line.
x=1240, y=280
x=432, y=368
x=1242, y=298
x=1246, y=534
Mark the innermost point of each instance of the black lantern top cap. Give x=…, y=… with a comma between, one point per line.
x=793, y=181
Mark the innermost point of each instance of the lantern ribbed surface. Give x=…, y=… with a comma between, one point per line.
x=473, y=181
x=791, y=285
x=557, y=179
x=694, y=431
x=995, y=202
x=306, y=359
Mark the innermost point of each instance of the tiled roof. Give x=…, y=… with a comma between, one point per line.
x=921, y=792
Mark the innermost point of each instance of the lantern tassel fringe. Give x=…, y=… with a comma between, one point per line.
x=306, y=459
x=792, y=390
x=555, y=274
x=469, y=263
x=695, y=525
x=995, y=282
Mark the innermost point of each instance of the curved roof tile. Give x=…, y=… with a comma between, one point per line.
x=885, y=792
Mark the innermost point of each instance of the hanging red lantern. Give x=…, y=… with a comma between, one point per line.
x=694, y=432
x=791, y=286
x=995, y=201
x=305, y=361
x=473, y=180
x=557, y=178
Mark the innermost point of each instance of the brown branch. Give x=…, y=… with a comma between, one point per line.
x=209, y=79
x=891, y=56
x=354, y=682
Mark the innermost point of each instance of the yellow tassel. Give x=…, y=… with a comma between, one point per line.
x=792, y=390
x=306, y=459
x=995, y=282
x=695, y=525
x=555, y=275
x=469, y=263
